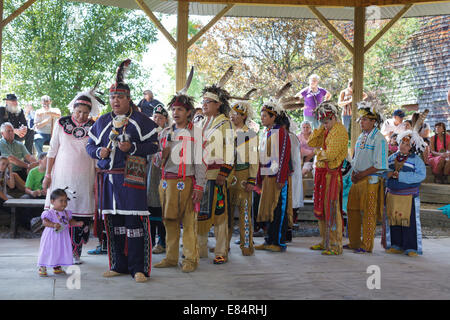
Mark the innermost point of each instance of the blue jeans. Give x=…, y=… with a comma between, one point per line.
x=347, y=120
x=39, y=140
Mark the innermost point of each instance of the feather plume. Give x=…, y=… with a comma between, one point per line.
x=418, y=124
x=225, y=77
x=292, y=103
x=416, y=140
x=248, y=94
x=188, y=82
x=283, y=90
x=122, y=71
x=245, y=97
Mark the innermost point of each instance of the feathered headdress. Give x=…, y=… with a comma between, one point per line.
x=96, y=105
x=217, y=93
x=181, y=98
x=371, y=110
x=275, y=106
x=326, y=110
x=242, y=106
x=120, y=87
x=417, y=143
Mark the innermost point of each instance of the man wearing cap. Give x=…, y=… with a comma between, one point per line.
x=394, y=125
x=365, y=199
x=43, y=123
x=13, y=114
x=182, y=183
x=148, y=104
x=120, y=141
x=330, y=142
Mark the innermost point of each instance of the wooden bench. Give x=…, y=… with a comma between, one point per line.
x=21, y=203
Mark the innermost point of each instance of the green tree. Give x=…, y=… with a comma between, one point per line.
x=60, y=47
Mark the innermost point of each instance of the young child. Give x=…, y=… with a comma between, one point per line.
x=393, y=145
x=33, y=185
x=6, y=179
x=56, y=247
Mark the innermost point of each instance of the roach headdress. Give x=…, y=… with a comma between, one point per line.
x=217, y=93
x=120, y=87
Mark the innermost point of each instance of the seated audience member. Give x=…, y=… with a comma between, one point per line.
x=13, y=114
x=6, y=180
x=407, y=125
x=17, y=154
x=393, y=125
x=29, y=115
x=43, y=122
x=198, y=116
x=439, y=153
x=33, y=185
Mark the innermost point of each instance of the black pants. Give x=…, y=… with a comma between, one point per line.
x=80, y=235
x=157, y=226
x=255, y=204
x=129, y=243
x=276, y=233
x=406, y=237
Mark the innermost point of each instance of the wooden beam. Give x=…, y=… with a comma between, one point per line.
x=324, y=3
x=16, y=13
x=210, y=24
x=182, y=44
x=388, y=26
x=358, y=69
x=155, y=20
x=330, y=27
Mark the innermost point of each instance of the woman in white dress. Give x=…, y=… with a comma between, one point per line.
x=70, y=167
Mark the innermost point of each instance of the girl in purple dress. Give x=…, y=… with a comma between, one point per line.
x=56, y=247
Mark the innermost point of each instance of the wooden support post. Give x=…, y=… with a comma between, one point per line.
x=332, y=29
x=388, y=26
x=358, y=68
x=182, y=43
x=157, y=23
x=210, y=24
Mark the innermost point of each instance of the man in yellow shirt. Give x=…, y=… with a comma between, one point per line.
x=330, y=141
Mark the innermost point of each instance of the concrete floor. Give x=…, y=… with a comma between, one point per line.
x=295, y=275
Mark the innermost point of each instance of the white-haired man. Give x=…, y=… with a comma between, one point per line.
x=17, y=154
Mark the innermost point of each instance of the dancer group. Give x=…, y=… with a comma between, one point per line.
x=190, y=177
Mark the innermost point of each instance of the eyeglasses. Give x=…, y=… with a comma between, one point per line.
x=207, y=101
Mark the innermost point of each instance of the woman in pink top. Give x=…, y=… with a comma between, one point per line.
x=439, y=156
